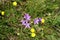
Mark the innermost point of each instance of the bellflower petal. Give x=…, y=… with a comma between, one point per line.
x=27, y=17
x=36, y=21
x=27, y=25
x=23, y=22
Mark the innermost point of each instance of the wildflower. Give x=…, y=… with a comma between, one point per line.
x=27, y=17
x=14, y=3
x=25, y=23
x=42, y=20
x=2, y=13
x=32, y=30
x=33, y=34
x=36, y=21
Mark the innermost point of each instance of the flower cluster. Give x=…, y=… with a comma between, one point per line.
x=37, y=20
x=26, y=20
x=33, y=32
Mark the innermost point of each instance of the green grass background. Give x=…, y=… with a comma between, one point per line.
x=10, y=23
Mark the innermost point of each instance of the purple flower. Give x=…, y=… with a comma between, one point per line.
x=25, y=23
x=27, y=17
x=40, y=19
x=36, y=21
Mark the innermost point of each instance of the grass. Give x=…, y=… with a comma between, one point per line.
x=12, y=29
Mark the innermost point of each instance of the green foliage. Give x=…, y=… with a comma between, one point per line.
x=10, y=23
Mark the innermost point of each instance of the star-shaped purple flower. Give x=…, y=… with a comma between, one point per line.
x=25, y=23
x=36, y=21
x=27, y=17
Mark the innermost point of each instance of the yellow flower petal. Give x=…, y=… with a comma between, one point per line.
x=2, y=13
x=33, y=34
x=32, y=30
x=42, y=20
x=14, y=3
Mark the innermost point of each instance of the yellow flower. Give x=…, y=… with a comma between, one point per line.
x=2, y=13
x=33, y=34
x=32, y=30
x=42, y=20
x=14, y=3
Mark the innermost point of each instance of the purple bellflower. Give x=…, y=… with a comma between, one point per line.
x=36, y=21
x=27, y=17
x=25, y=23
